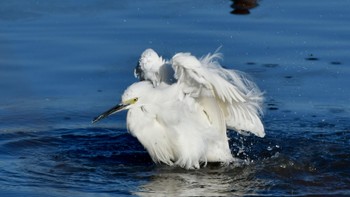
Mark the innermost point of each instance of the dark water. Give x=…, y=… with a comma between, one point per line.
x=63, y=62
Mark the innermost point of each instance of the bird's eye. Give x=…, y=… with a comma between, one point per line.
x=135, y=99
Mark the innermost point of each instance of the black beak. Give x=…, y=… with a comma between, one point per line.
x=111, y=111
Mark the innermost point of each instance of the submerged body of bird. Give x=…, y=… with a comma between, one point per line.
x=183, y=120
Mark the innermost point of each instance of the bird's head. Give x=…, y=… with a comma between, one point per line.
x=149, y=62
x=133, y=96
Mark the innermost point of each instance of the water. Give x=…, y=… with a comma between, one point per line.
x=63, y=62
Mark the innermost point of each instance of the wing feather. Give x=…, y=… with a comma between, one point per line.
x=238, y=97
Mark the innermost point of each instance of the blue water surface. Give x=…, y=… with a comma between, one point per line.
x=64, y=62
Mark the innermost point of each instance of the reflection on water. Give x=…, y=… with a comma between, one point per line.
x=242, y=7
x=211, y=181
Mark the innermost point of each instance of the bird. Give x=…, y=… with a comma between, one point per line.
x=183, y=119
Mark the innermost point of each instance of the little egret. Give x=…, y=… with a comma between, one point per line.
x=182, y=119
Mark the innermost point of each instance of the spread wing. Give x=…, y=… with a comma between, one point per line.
x=239, y=98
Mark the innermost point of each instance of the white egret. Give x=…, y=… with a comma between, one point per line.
x=184, y=122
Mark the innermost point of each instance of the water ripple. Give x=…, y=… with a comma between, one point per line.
x=100, y=160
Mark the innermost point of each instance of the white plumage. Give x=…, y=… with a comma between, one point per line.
x=183, y=120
